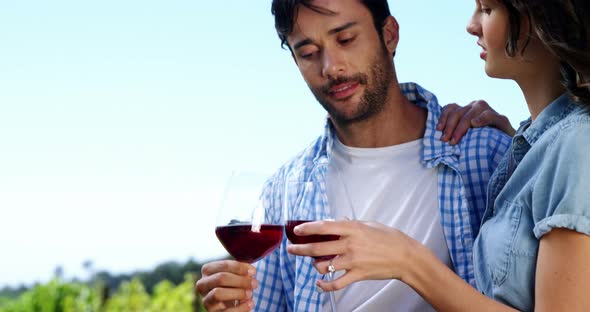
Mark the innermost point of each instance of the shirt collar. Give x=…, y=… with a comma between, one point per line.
x=434, y=149
x=552, y=114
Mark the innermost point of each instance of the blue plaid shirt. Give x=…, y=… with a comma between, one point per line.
x=287, y=282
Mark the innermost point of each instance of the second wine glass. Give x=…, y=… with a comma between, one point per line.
x=302, y=202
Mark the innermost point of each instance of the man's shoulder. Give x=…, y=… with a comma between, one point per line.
x=303, y=161
x=482, y=149
x=485, y=140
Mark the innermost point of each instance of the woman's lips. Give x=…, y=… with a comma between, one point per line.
x=483, y=54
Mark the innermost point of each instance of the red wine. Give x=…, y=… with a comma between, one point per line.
x=248, y=246
x=295, y=239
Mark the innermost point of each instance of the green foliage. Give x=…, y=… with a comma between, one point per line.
x=52, y=297
x=172, y=271
x=178, y=299
x=58, y=296
x=9, y=292
x=131, y=297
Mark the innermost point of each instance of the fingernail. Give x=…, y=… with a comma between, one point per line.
x=318, y=288
x=251, y=305
x=251, y=272
x=453, y=140
x=248, y=294
x=296, y=230
x=254, y=284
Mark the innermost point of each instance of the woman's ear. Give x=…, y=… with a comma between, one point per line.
x=526, y=35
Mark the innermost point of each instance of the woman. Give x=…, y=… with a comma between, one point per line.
x=533, y=250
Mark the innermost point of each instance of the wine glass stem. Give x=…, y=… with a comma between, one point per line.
x=331, y=293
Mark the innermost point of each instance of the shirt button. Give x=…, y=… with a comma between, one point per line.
x=520, y=141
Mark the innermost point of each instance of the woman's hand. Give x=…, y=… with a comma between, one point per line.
x=456, y=120
x=366, y=251
x=370, y=251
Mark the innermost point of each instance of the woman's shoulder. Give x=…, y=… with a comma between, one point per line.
x=573, y=130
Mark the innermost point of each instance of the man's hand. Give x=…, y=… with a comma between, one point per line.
x=227, y=286
x=456, y=120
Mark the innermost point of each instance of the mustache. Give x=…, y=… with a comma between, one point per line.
x=358, y=78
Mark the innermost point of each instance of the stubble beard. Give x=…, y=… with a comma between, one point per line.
x=372, y=101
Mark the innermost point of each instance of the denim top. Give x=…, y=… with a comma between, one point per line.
x=543, y=182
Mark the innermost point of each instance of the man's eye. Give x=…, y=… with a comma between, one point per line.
x=346, y=40
x=306, y=55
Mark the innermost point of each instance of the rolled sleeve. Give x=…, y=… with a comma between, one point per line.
x=571, y=222
x=561, y=194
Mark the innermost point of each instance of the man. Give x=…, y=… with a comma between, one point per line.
x=380, y=156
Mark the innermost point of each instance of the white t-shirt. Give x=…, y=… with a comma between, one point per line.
x=388, y=185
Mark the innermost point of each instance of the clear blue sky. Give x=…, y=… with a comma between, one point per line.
x=120, y=121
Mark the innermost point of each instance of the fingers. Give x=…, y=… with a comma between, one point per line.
x=229, y=306
x=339, y=283
x=229, y=266
x=463, y=124
x=452, y=120
x=458, y=120
x=227, y=281
x=339, y=263
x=317, y=249
x=340, y=228
x=447, y=110
x=223, y=299
x=491, y=118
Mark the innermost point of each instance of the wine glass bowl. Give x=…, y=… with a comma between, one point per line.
x=296, y=239
x=298, y=201
x=244, y=225
x=247, y=244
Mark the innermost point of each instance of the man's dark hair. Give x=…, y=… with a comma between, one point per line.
x=285, y=12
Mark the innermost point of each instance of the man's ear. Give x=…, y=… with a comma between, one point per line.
x=391, y=34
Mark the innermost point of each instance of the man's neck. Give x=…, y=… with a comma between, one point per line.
x=399, y=122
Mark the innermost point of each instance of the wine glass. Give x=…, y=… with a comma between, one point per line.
x=303, y=202
x=248, y=227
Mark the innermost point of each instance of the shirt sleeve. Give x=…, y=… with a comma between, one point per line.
x=561, y=194
x=499, y=146
x=269, y=296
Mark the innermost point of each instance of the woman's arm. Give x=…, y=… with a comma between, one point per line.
x=563, y=272
x=374, y=251
x=444, y=289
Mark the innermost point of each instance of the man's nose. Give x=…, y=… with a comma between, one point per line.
x=333, y=64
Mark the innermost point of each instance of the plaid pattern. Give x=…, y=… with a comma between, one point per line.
x=287, y=282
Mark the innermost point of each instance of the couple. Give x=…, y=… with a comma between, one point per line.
x=434, y=235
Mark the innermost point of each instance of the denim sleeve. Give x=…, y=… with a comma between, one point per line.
x=561, y=194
